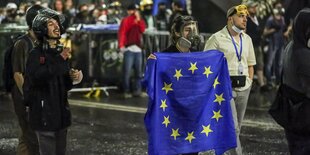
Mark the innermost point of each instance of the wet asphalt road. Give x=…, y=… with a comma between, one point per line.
x=114, y=126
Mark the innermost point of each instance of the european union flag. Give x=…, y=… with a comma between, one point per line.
x=189, y=103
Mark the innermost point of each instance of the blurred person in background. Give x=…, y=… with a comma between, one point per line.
x=254, y=30
x=102, y=17
x=115, y=13
x=83, y=17
x=274, y=33
x=99, y=14
x=11, y=13
x=59, y=6
x=2, y=14
x=162, y=17
x=70, y=7
x=177, y=10
x=21, y=13
x=146, y=7
x=130, y=44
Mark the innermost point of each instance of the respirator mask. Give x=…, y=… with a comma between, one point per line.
x=189, y=38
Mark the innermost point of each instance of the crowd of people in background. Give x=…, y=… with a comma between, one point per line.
x=270, y=35
x=91, y=13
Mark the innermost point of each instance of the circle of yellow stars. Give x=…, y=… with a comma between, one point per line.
x=216, y=114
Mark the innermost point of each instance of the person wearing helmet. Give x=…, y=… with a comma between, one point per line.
x=184, y=35
x=238, y=49
x=146, y=7
x=115, y=13
x=28, y=143
x=48, y=78
x=11, y=13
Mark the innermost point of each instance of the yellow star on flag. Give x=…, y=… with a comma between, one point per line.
x=178, y=74
x=219, y=98
x=208, y=71
x=166, y=120
x=217, y=115
x=167, y=87
x=206, y=130
x=175, y=133
x=163, y=105
x=193, y=67
x=216, y=82
x=190, y=137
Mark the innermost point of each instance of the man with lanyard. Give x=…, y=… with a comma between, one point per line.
x=239, y=52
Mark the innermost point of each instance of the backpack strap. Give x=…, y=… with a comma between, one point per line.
x=29, y=41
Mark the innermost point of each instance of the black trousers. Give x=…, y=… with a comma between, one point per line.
x=52, y=142
x=28, y=143
x=298, y=144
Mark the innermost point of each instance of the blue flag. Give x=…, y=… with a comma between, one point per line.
x=189, y=103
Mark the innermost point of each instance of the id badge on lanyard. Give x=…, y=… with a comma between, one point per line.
x=240, y=68
x=238, y=54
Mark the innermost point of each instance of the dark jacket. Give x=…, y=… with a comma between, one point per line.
x=173, y=49
x=254, y=31
x=296, y=66
x=47, y=82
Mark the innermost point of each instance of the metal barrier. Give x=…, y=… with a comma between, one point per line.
x=104, y=62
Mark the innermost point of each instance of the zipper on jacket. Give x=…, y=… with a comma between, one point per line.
x=42, y=104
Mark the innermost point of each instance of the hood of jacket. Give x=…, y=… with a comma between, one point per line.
x=301, y=28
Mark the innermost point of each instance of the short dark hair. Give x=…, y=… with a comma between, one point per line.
x=161, y=3
x=178, y=4
x=132, y=7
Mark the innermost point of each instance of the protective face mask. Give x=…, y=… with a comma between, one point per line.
x=183, y=43
x=147, y=11
x=193, y=35
x=195, y=39
x=236, y=29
